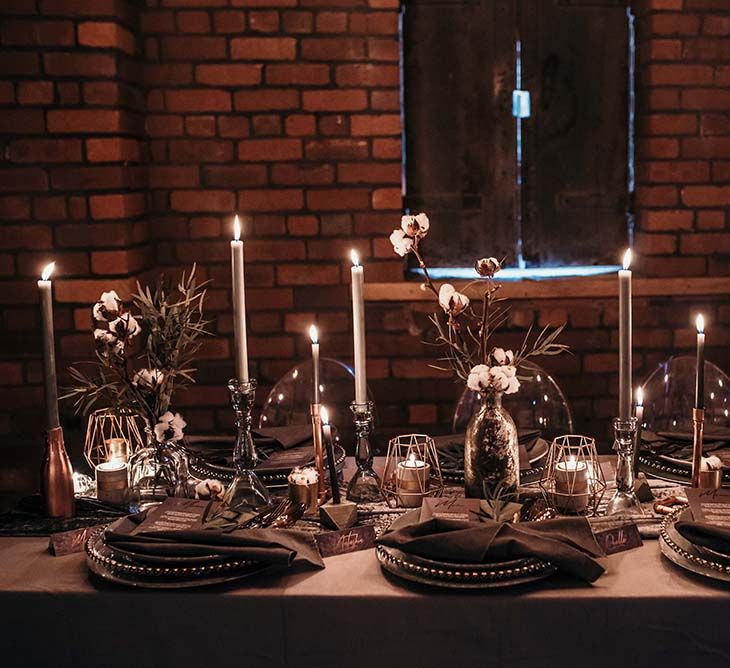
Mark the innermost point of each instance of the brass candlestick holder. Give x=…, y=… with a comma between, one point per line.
x=57, y=484
x=364, y=486
x=624, y=499
x=698, y=430
x=316, y=414
x=246, y=493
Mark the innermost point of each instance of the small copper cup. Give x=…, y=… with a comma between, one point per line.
x=710, y=479
x=306, y=494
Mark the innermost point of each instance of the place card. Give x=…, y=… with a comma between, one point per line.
x=332, y=543
x=450, y=508
x=69, y=542
x=619, y=538
x=710, y=505
x=175, y=514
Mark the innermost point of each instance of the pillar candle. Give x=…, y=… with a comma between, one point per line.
x=314, y=336
x=624, y=313
x=49, y=347
x=239, y=303
x=700, y=375
x=358, y=323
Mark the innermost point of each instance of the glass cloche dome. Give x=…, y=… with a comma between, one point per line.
x=669, y=396
x=539, y=404
x=289, y=400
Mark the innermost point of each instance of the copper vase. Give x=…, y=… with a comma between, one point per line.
x=57, y=484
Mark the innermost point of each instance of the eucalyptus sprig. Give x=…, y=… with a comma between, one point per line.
x=139, y=364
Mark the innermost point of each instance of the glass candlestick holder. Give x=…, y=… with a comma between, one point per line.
x=364, y=486
x=624, y=499
x=246, y=493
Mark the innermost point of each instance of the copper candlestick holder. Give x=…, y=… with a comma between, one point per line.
x=698, y=430
x=315, y=411
x=57, y=484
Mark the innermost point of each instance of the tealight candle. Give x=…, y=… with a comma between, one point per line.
x=117, y=449
x=571, y=485
x=412, y=480
x=111, y=482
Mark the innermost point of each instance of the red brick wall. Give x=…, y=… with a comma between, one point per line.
x=131, y=131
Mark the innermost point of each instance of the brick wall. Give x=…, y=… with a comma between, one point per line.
x=132, y=130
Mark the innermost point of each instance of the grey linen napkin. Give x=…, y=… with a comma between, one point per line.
x=568, y=543
x=281, y=547
x=706, y=535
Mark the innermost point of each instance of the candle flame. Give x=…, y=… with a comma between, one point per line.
x=700, y=322
x=47, y=271
x=639, y=396
x=355, y=257
x=412, y=458
x=236, y=228
x=313, y=334
x=324, y=414
x=627, y=258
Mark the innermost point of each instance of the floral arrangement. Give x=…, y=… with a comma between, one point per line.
x=464, y=330
x=164, y=334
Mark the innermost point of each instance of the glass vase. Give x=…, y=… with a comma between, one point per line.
x=157, y=471
x=491, y=453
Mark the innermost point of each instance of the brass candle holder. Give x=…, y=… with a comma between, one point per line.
x=57, y=484
x=315, y=411
x=698, y=430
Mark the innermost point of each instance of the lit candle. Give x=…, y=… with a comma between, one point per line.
x=331, y=464
x=624, y=313
x=700, y=380
x=239, y=303
x=639, y=420
x=358, y=322
x=571, y=485
x=117, y=449
x=49, y=347
x=412, y=480
x=571, y=477
x=314, y=336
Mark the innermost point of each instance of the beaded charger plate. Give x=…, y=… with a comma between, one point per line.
x=671, y=469
x=271, y=476
x=687, y=555
x=120, y=568
x=460, y=576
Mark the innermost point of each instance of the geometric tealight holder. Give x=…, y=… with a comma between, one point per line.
x=412, y=471
x=572, y=481
x=111, y=435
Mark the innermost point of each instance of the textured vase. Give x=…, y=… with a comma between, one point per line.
x=491, y=454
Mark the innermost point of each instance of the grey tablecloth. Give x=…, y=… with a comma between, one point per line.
x=643, y=610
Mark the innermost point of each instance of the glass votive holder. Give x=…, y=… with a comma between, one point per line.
x=412, y=480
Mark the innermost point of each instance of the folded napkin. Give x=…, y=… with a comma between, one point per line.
x=568, y=543
x=282, y=547
x=712, y=536
x=679, y=444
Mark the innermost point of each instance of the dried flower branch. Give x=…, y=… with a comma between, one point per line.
x=464, y=332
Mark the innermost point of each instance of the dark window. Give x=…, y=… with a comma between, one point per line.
x=544, y=183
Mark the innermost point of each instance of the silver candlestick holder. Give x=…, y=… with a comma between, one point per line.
x=246, y=493
x=364, y=486
x=624, y=499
